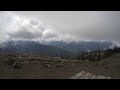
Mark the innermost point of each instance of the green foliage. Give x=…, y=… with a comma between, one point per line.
x=98, y=55
x=108, y=53
x=103, y=63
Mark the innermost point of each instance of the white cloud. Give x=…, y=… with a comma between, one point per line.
x=16, y=27
x=49, y=34
x=77, y=25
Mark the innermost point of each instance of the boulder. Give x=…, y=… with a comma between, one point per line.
x=9, y=62
x=59, y=66
x=16, y=65
x=25, y=62
x=72, y=65
x=48, y=65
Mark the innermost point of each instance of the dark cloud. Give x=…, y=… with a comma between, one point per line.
x=24, y=34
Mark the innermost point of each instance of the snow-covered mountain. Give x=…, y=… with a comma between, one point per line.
x=32, y=48
x=80, y=46
x=53, y=48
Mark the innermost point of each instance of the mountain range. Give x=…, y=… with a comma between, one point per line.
x=52, y=48
x=81, y=46
x=32, y=48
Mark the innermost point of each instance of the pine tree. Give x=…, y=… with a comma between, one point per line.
x=99, y=56
x=90, y=56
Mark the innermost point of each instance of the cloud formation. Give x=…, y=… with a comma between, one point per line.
x=16, y=27
x=77, y=25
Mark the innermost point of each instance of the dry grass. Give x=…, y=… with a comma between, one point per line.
x=51, y=69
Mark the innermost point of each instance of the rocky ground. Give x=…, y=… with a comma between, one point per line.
x=26, y=67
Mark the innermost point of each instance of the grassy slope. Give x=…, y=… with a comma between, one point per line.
x=108, y=67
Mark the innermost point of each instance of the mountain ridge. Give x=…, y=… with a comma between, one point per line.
x=81, y=46
x=32, y=47
x=54, y=48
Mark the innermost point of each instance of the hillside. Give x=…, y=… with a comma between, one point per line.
x=80, y=46
x=32, y=48
x=41, y=68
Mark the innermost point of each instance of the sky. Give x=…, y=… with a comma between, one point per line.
x=60, y=25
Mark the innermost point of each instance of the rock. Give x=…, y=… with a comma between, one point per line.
x=9, y=62
x=72, y=65
x=59, y=65
x=20, y=57
x=16, y=65
x=25, y=62
x=48, y=65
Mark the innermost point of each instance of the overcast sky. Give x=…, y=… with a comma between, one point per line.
x=60, y=25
